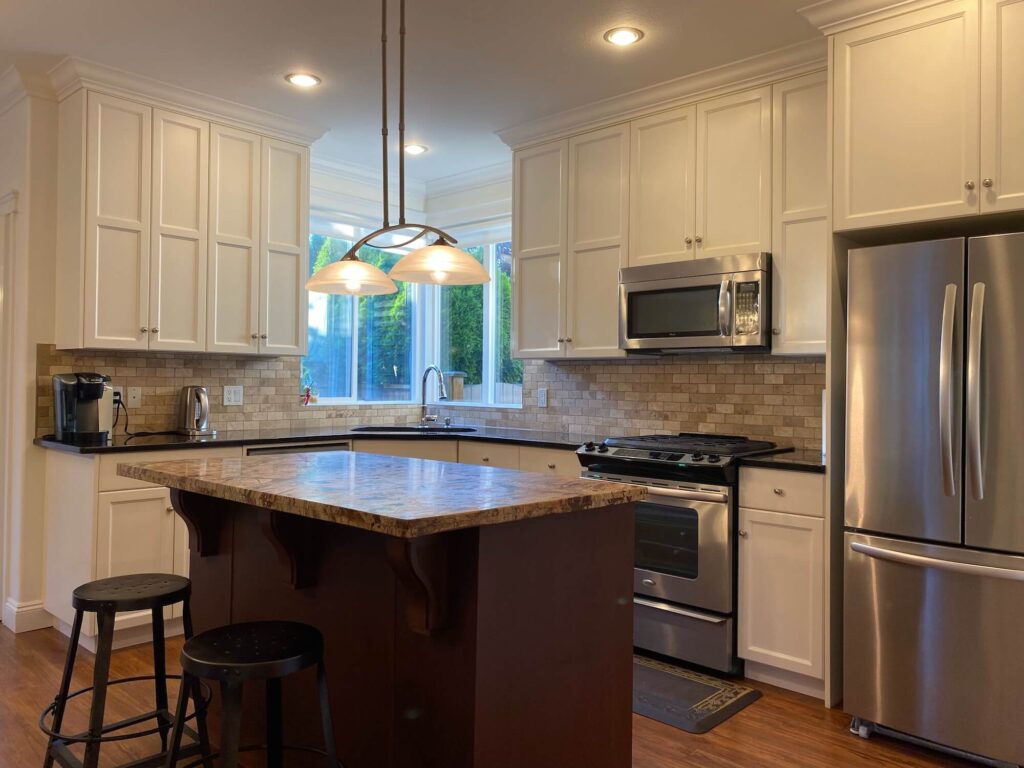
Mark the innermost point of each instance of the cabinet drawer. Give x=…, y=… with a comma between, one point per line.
x=430, y=448
x=549, y=461
x=111, y=481
x=799, y=493
x=489, y=454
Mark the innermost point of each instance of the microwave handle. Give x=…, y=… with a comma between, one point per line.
x=725, y=308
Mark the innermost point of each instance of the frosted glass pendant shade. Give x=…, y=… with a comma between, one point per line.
x=351, y=277
x=440, y=264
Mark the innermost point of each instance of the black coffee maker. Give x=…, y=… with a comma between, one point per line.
x=82, y=408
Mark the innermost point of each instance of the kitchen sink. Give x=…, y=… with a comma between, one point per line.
x=415, y=429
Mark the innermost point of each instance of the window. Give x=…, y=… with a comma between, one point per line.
x=374, y=348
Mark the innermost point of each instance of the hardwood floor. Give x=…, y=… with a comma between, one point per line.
x=781, y=729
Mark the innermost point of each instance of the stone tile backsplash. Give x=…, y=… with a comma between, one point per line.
x=761, y=396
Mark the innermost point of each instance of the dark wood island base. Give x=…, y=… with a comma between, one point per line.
x=501, y=646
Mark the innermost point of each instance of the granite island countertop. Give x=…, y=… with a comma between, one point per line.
x=385, y=494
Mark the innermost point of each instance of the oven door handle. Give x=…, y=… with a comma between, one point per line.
x=669, y=608
x=653, y=491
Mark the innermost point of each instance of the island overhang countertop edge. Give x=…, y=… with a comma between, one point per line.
x=390, y=495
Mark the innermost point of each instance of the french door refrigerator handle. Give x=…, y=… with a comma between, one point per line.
x=954, y=566
x=946, y=390
x=974, y=462
x=725, y=307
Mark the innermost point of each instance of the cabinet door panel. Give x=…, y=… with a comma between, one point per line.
x=233, y=283
x=540, y=198
x=135, y=535
x=489, y=454
x=800, y=236
x=592, y=324
x=117, y=223
x=663, y=156
x=906, y=118
x=1002, y=108
x=549, y=461
x=781, y=591
x=178, y=252
x=538, y=304
x=734, y=163
x=284, y=246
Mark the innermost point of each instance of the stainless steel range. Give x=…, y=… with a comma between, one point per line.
x=684, y=582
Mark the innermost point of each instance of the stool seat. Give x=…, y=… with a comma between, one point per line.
x=135, y=592
x=258, y=650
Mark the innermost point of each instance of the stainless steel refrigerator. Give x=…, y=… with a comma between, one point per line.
x=934, y=540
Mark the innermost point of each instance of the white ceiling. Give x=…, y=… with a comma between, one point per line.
x=475, y=66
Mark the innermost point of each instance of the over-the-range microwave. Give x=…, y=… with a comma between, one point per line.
x=714, y=304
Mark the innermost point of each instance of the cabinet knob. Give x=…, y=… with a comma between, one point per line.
x=255, y=336
x=968, y=185
x=778, y=492
x=560, y=339
x=154, y=329
x=144, y=329
x=169, y=509
x=485, y=459
x=743, y=534
x=776, y=331
x=987, y=183
x=569, y=340
x=551, y=466
x=263, y=336
x=699, y=239
x=688, y=240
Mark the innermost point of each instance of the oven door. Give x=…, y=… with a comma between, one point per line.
x=705, y=312
x=683, y=547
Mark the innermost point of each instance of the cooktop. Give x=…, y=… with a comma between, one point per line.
x=685, y=448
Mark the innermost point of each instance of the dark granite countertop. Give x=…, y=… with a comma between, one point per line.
x=226, y=438
x=798, y=461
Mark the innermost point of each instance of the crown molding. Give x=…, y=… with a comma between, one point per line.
x=832, y=16
x=17, y=83
x=362, y=175
x=72, y=74
x=782, y=63
x=499, y=173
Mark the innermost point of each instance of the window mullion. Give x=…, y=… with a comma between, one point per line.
x=490, y=328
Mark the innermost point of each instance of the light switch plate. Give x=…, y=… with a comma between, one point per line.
x=542, y=397
x=233, y=395
x=134, y=397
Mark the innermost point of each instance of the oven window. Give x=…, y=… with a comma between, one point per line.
x=673, y=312
x=666, y=539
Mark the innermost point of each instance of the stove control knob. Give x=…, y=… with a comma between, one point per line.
x=589, y=446
x=602, y=449
x=655, y=455
x=698, y=456
x=714, y=458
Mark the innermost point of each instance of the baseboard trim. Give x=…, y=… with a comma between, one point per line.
x=123, y=638
x=783, y=678
x=27, y=616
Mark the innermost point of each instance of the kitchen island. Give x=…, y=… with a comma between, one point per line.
x=473, y=616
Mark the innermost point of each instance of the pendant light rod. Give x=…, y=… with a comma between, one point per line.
x=384, y=103
x=423, y=229
x=401, y=112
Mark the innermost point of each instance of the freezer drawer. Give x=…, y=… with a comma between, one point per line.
x=932, y=642
x=684, y=633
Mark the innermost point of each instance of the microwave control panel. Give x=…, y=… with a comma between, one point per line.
x=748, y=308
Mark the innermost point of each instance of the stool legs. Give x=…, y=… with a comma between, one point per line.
x=65, y=685
x=101, y=671
x=275, y=729
x=160, y=676
x=325, y=716
x=231, y=729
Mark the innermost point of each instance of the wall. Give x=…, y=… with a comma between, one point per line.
x=773, y=398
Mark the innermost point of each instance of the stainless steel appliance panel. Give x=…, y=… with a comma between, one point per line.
x=904, y=389
x=932, y=643
x=681, y=633
x=994, y=452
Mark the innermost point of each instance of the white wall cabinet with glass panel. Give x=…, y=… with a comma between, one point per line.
x=175, y=233
x=571, y=223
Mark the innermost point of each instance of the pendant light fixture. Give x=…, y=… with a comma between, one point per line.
x=439, y=263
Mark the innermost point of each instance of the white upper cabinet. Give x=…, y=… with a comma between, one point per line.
x=906, y=119
x=177, y=308
x=662, y=206
x=118, y=138
x=598, y=225
x=800, y=236
x=233, y=276
x=1002, y=105
x=175, y=234
x=734, y=167
x=284, y=247
x=539, y=249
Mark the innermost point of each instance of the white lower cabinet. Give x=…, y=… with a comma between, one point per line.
x=437, y=450
x=489, y=454
x=559, y=462
x=781, y=590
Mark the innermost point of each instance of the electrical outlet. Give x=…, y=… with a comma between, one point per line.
x=134, y=397
x=233, y=395
x=542, y=397
x=118, y=395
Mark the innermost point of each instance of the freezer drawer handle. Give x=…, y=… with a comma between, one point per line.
x=946, y=390
x=669, y=608
x=934, y=562
x=975, y=467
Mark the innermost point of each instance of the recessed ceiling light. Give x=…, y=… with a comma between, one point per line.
x=623, y=35
x=302, y=79
x=415, y=149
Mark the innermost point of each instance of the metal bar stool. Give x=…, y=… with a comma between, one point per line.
x=105, y=598
x=260, y=650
